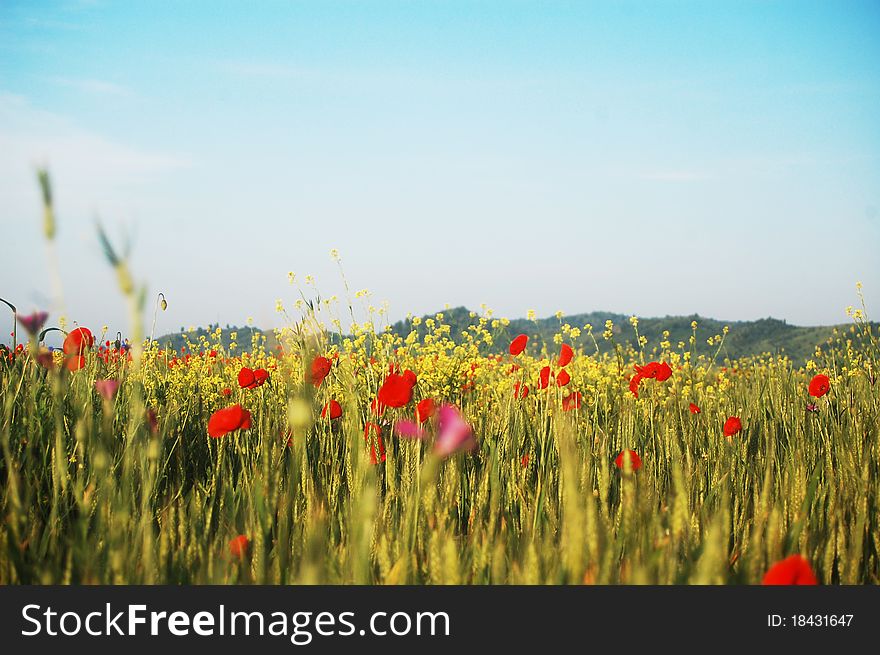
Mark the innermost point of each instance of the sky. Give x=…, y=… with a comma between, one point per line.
x=652, y=158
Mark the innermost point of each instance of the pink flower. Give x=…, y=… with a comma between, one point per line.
x=454, y=432
x=34, y=322
x=409, y=430
x=107, y=388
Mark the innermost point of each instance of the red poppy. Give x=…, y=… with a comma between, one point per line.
x=425, y=409
x=75, y=363
x=227, y=391
x=694, y=409
x=320, y=370
x=819, y=385
x=396, y=391
x=544, y=380
x=410, y=377
x=333, y=408
x=562, y=378
x=660, y=371
x=664, y=372
x=260, y=376
x=239, y=546
x=793, y=570
x=372, y=427
x=634, y=459
x=524, y=461
x=246, y=378
x=649, y=370
x=518, y=344
x=228, y=420
x=634, y=384
x=520, y=390
x=78, y=341
x=566, y=354
x=571, y=402
x=732, y=425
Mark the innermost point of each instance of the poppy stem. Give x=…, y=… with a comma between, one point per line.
x=14, y=321
x=160, y=300
x=49, y=329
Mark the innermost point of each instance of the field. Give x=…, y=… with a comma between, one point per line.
x=124, y=463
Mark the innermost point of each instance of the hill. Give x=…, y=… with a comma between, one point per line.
x=745, y=337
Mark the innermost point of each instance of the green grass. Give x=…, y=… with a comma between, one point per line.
x=90, y=494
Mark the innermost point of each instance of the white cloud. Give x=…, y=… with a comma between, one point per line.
x=88, y=166
x=98, y=87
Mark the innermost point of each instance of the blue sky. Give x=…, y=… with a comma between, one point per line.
x=649, y=158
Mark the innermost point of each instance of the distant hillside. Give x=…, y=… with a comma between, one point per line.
x=745, y=337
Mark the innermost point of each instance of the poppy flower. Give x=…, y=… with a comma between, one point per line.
x=793, y=570
x=260, y=376
x=454, y=432
x=520, y=390
x=694, y=409
x=819, y=385
x=566, y=354
x=732, y=425
x=107, y=388
x=372, y=427
x=239, y=546
x=524, y=461
x=78, y=341
x=631, y=455
x=228, y=420
x=425, y=409
x=396, y=391
x=518, y=344
x=649, y=370
x=34, y=322
x=332, y=409
x=226, y=391
x=544, y=379
x=562, y=378
x=660, y=371
x=664, y=372
x=571, y=402
x=75, y=363
x=319, y=370
x=246, y=378
x=410, y=377
x=634, y=384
